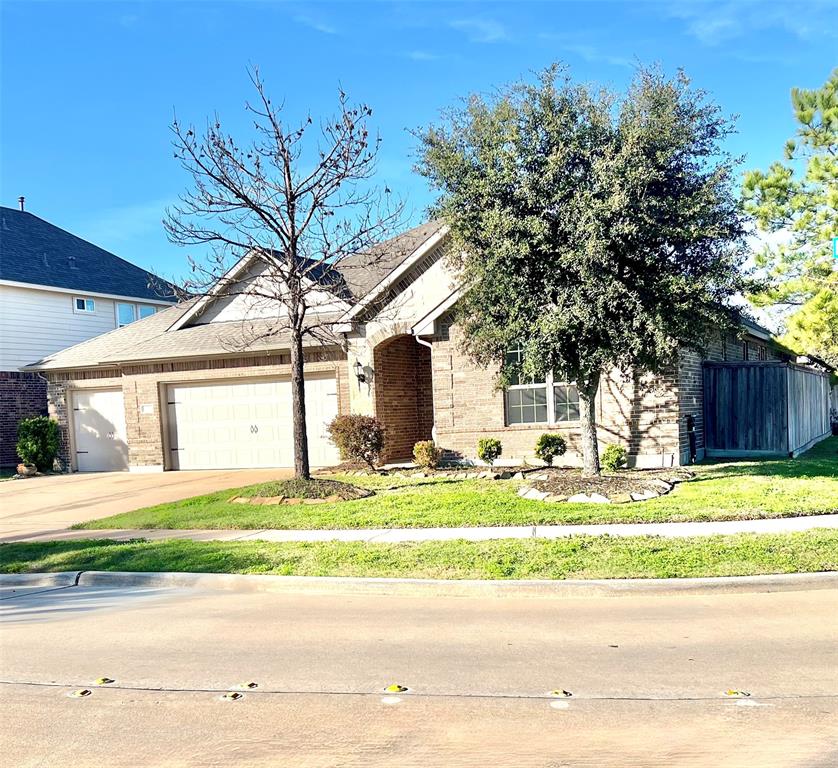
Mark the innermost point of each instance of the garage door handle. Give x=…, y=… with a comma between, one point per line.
x=253, y=429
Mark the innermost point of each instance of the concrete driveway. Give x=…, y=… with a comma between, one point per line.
x=48, y=504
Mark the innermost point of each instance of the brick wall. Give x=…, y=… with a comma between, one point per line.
x=638, y=412
x=22, y=395
x=403, y=394
x=144, y=385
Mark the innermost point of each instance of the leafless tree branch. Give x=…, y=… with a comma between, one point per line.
x=297, y=206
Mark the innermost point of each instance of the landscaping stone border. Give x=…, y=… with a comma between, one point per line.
x=657, y=487
x=477, y=474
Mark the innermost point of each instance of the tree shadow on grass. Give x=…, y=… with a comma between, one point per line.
x=110, y=555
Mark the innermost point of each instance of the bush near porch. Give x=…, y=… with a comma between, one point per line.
x=807, y=485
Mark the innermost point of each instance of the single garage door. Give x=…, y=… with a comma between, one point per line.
x=99, y=430
x=236, y=425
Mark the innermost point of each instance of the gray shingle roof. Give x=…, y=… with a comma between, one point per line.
x=94, y=351
x=34, y=251
x=151, y=339
x=387, y=256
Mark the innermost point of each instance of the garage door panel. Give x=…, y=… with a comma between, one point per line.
x=247, y=424
x=321, y=408
x=99, y=430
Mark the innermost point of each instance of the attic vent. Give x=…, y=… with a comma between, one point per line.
x=418, y=269
x=422, y=266
x=72, y=261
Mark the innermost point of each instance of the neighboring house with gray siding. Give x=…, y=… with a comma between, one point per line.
x=57, y=290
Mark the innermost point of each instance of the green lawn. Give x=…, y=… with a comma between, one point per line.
x=581, y=557
x=807, y=485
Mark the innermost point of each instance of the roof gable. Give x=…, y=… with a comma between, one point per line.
x=35, y=252
x=253, y=296
x=228, y=299
x=352, y=285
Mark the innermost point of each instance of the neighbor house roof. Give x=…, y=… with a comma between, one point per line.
x=35, y=252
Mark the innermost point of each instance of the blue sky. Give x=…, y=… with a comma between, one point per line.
x=89, y=89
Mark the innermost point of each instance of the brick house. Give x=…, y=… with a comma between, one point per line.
x=55, y=290
x=184, y=389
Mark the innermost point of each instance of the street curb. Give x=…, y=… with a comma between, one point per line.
x=327, y=585
x=59, y=579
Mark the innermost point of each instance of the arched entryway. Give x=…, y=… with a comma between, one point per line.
x=403, y=394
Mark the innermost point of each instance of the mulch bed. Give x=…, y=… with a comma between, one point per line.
x=314, y=491
x=562, y=481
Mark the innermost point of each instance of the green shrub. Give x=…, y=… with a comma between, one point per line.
x=426, y=454
x=614, y=457
x=488, y=449
x=548, y=446
x=358, y=438
x=38, y=442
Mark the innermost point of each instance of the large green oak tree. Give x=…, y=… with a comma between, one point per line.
x=592, y=230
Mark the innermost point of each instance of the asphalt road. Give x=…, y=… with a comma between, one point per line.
x=647, y=676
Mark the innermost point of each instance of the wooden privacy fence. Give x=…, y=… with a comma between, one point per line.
x=763, y=408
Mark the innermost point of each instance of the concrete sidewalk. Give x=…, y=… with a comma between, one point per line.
x=393, y=535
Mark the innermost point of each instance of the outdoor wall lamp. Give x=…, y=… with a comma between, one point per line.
x=359, y=372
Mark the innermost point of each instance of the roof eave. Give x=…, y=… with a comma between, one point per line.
x=95, y=294
x=231, y=354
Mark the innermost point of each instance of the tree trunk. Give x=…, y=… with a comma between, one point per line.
x=298, y=407
x=587, y=415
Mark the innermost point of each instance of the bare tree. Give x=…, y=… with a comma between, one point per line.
x=299, y=205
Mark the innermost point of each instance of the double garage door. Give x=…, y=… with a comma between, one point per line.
x=246, y=424
x=232, y=425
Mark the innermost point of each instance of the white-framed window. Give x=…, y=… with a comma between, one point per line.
x=565, y=402
x=145, y=310
x=539, y=402
x=83, y=305
x=125, y=314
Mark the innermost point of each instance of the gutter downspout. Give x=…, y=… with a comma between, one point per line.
x=433, y=410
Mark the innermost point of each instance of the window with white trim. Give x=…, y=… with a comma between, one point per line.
x=82, y=305
x=565, y=402
x=146, y=310
x=529, y=402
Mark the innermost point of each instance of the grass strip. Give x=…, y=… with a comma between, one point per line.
x=582, y=557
